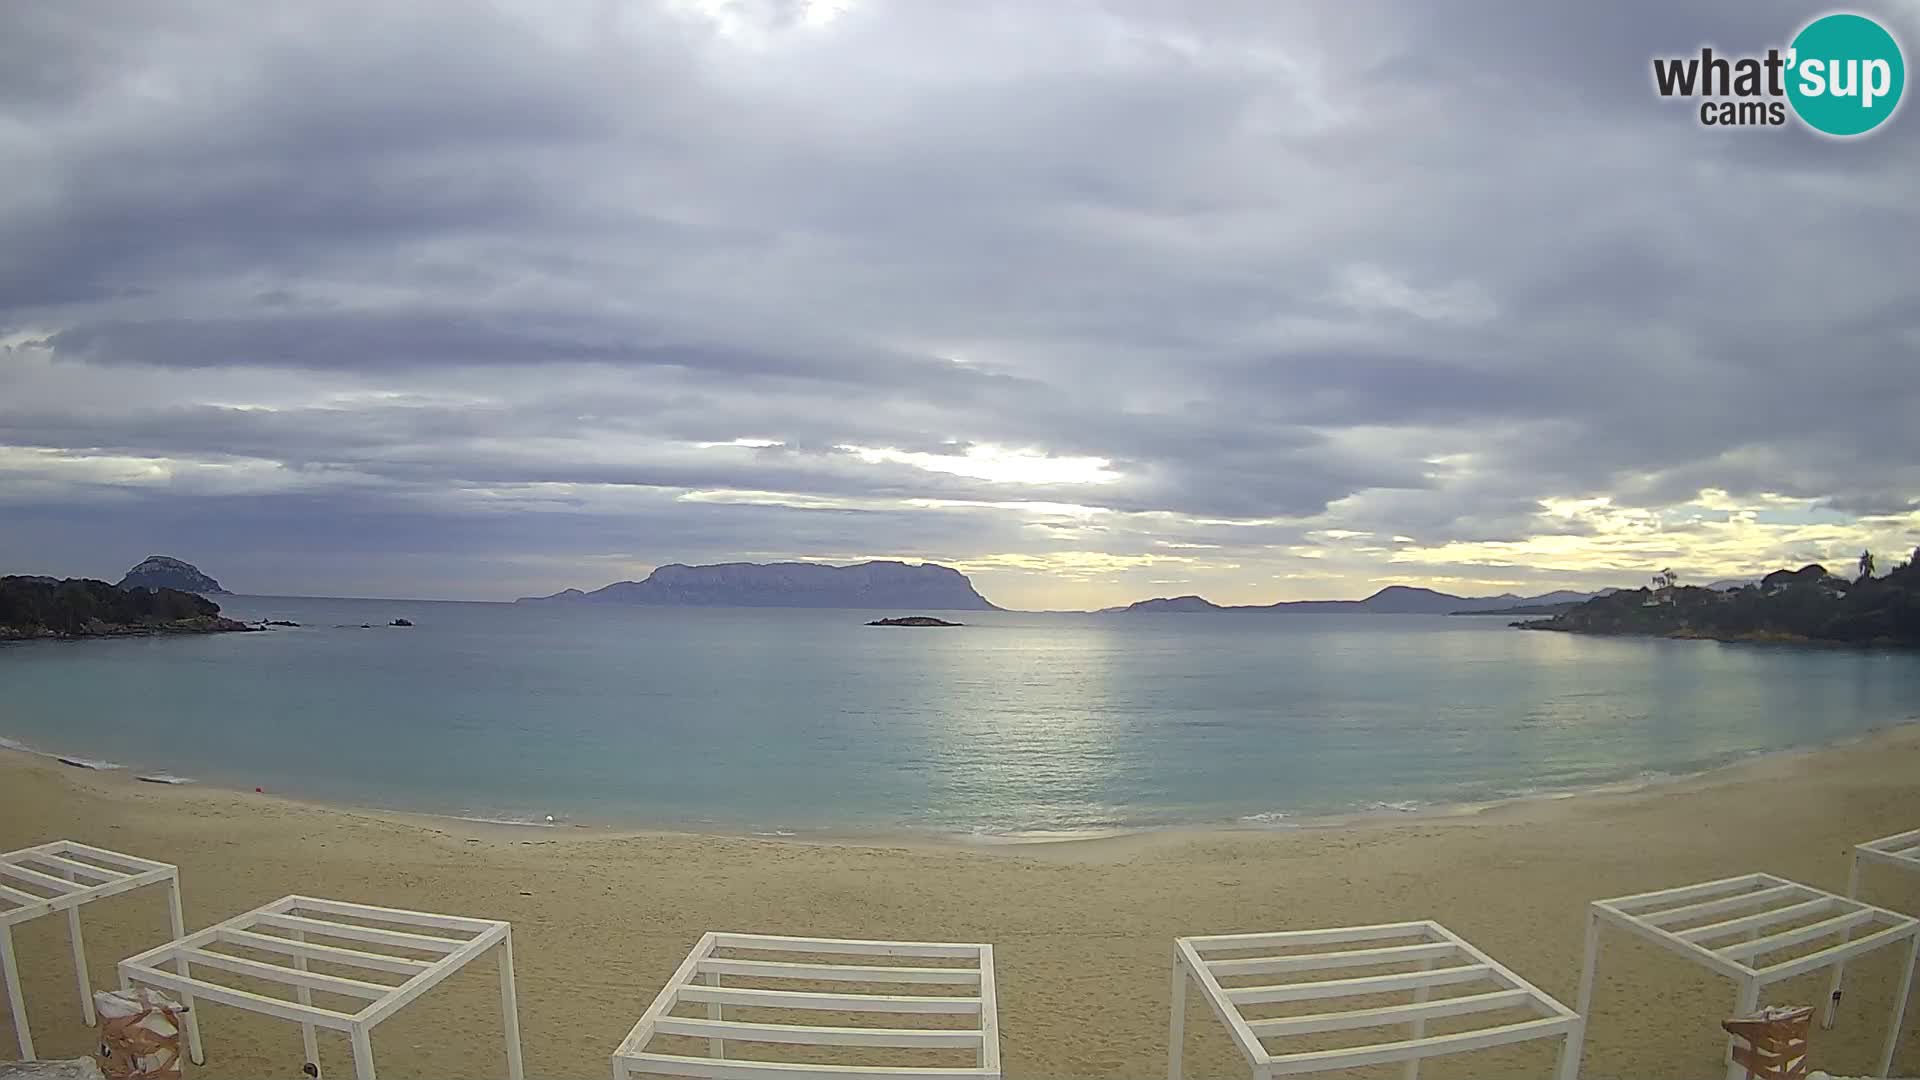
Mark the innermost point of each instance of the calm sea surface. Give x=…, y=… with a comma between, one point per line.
x=771, y=721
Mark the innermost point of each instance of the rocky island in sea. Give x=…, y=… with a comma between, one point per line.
x=1805, y=605
x=880, y=584
x=166, y=572
x=914, y=620
x=43, y=607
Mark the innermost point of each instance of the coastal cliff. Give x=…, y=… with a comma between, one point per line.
x=39, y=607
x=871, y=585
x=1806, y=605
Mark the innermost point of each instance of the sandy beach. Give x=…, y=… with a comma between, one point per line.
x=1082, y=929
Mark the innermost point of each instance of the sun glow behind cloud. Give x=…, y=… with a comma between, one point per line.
x=995, y=464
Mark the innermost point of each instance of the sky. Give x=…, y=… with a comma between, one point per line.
x=1094, y=301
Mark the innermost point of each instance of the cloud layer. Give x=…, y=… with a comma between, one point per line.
x=1095, y=301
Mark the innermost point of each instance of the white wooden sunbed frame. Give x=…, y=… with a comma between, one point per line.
x=63, y=876
x=1901, y=850
x=698, y=980
x=1736, y=914
x=432, y=948
x=1426, y=944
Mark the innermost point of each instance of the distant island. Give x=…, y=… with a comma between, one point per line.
x=869, y=585
x=166, y=572
x=1392, y=600
x=42, y=607
x=1805, y=605
x=914, y=620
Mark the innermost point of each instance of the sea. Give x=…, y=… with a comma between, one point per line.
x=1015, y=725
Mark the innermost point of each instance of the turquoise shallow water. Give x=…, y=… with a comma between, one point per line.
x=772, y=721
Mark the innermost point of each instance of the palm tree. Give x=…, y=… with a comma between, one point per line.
x=1866, y=565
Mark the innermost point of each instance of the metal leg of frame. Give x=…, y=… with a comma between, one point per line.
x=509, y=1009
x=80, y=959
x=362, y=1053
x=1589, y=965
x=1420, y=994
x=1840, y=969
x=195, y=1050
x=308, y=1042
x=1746, y=1004
x=1570, y=1052
x=1899, y=1008
x=1177, y=1025
x=14, y=997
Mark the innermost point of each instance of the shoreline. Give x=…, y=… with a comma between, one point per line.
x=1081, y=929
x=109, y=774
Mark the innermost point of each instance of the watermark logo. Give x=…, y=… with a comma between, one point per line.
x=1842, y=75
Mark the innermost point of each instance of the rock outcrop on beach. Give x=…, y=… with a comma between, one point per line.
x=869, y=585
x=82, y=607
x=166, y=572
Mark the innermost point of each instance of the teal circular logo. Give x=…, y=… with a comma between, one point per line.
x=1845, y=74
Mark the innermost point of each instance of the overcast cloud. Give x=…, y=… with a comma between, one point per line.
x=1094, y=301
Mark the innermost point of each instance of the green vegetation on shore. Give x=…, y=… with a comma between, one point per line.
x=40, y=607
x=1806, y=605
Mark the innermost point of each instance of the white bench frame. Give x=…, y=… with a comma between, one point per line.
x=302, y=917
x=1901, y=850
x=68, y=875
x=1742, y=909
x=1425, y=943
x=698, y=980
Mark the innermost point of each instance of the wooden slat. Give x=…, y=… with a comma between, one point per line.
x=239, y=999
x=1409, y=1049
x=399, y=965
x=1332, y=936
x=1642, y=901
x=1669, y=916
x=392, y=915
x=774, y=969
x=1268, y=965
x=799, y=999
x=1711, y=931
x=1390, y=1014
x=1759, y=946
x=370, y=934
x=332, y=984
x=718, y=1069
x=46, y=881
x=849, y=947
x=1800, y=965
x=817, y=1036
x=78, y=868
x=133, y=863
x=1371, y=984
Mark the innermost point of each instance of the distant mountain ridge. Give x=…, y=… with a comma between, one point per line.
x=1392, y=600
x=880, y=584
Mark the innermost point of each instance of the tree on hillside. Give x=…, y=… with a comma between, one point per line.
x=1866, y=565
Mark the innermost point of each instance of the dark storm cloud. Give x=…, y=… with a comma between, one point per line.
x=487, y=280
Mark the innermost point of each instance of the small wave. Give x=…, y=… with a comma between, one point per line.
x=164, y=778
x=15, y=744
x=547, y=823
x=1267, y=819
x=776, y=833
x=88, y=763
x=1405, y=806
